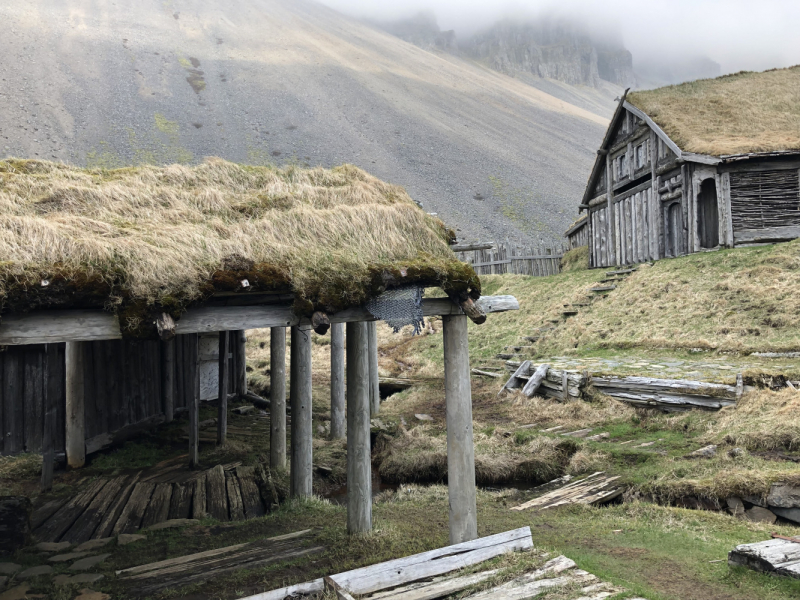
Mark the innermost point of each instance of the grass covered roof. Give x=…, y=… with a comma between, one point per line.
x=733, y=114
x=145, y=240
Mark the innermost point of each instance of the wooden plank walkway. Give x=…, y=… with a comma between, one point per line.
x=776, y=556
x=597, y=488
x=127, y=503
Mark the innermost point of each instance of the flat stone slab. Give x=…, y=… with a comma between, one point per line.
x=8, y=568
x=89, y=562
x=67, y=557
x=760, y=515
x=86, y=578
x=53, y=546
x=36, y=572
x=93, y=544
x=92, y=595
x=19, y=592
x=3, y=581
x=123, y=539
x=172, y=523
x=62, y=579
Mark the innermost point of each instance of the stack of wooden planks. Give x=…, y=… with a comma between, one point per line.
x=777, y=556
x=124, y=504
x=433, y=574
x=597, y=488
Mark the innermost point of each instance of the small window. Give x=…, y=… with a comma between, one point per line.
x=640, y=162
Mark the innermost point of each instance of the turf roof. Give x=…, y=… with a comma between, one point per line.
x=141, y=241
x=733, y=114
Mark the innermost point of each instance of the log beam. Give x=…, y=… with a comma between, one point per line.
x=75, y=419
x=277, y=397
x=194, y=407
x=300, y=382
x=337, y=382
x=168, y=378
x=374, y=384
x=359, y=474
x=222, y=407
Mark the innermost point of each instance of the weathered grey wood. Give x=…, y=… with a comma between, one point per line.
x=434, y=562
x=374, y=389
x=564, y=386
x=472, y=246
x=112, y=514
x=54, y=527
x=740, y=386
x=131, y=517
x=75, y=424
x=85, y=526
x=776, y=556
x=157, y=510
x=460, y=448
x=277, y=396
x=300, y=381
x=435, y=589
x=239, y=338
x=514, y=381
x=235, y=504
x=650, y=123
x=49, y=422
x=222, y=407
x=766, y=234
x=251, y=498
x=216, y=494
x=43, y=327
x=332, y=586
x=612, y=230
x=359, y=470
x=106, y=440
x=194, y=406
x=337, y=382
x=180, y=505
x=199, y=498
x=532, y=385
x=298, y=589
x=168, y=378
x=486, y=374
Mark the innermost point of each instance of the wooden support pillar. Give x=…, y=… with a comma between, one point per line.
x=337, y=381
x=300, y=394
x=222, y=399
x=240, y=378
x=50, y=407
x=194, y=404
x=374, y=389
x=168, y=378
x=277, y=397
x=359, y=472
x=75, y=417
x=460, y=447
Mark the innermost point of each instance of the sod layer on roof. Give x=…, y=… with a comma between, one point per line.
x=733, y=114
x=145, y=240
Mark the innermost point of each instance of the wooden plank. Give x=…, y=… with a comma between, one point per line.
x=180, y=506
x=766, y=234
x=435, y=589
x=434, y=562
x=650, y=123
x=300, y=394
x=13, y=382
x=776, y=556
x=297, y=589
x=32, y=398
x=158, y=509
x=61, y=521
x=85, y=526
x=359, y=468
x=45, y=511
x=111, y=515
x=199, y=497
x=251, y=498
x=131, y=516
x=222, y=380
x=337, y=383
x=216, y=494
x=49, y=420
x=374, y=376
x=193, y=384
x=277, y=395
x=46, y=327
x=514, y=381
x=235, y=505
x=532, y=385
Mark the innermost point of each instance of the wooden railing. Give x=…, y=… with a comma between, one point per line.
x=505, y=258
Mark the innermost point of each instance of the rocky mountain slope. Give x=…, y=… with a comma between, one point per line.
x=108, y=83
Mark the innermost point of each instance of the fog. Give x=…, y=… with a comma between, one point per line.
x=737, y=34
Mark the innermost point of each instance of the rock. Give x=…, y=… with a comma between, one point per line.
x=66, y=557
x=172, y=523
x=9, y=568
x=756, y=500
x=93, y=544
x=790, y=514
x=323, y=470
x=423, y=417
x=244, y=410
x=15, y=523
x=705, y=452
x=758, y=514
x=19, y=592
x=36, y=572
x=62, y=579
x=53, y=546
x=735, y=452
x=87, y=563
x=320, y=430
x=784, y=495
x=736, y=506
x=92, y=595
x=86, y=578
x=123, y=539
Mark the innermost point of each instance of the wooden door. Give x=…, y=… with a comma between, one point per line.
x=708, y=215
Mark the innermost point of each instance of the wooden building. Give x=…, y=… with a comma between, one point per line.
x=696, y=166
x=124, y=297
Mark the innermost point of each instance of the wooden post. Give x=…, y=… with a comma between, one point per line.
x=300, y=382
x=50, y=404
x=239, y=346
x=337, y=381
x=565, y=385
x=359, y=472
x=194, y=405
x=460, y=448
x=168, y=378
x=222, y=400
x=75, y=417
x=374, y=389
x=277, y=397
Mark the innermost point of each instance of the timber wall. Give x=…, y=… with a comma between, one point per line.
x=504, y=258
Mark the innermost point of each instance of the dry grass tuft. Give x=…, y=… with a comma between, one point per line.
x=165, y=234
x=576, y=259
x=733, y=114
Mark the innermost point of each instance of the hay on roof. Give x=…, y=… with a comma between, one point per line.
x=733, y=114
x=143, y=240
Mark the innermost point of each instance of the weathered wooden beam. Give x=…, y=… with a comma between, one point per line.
x=460, y=448
x=168, y=378
x=194, y=404
x=359, y=472
x=469, y=247
x=535, y=381
x=50, y=404
x=277, y=397
x=374, y=386
x=337, y=381
x=75, y=421
x=300, y=394
x=222, y=400
x=240, y=352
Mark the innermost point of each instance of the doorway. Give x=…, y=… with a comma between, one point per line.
x=708, y=215
x=672, y=228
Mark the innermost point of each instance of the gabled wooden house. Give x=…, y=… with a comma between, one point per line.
x=119, y=291
x=697, y=166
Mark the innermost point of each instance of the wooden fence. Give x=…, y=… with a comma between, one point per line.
x=504, y=258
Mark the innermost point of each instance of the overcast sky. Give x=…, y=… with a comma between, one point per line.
x=738, y=34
